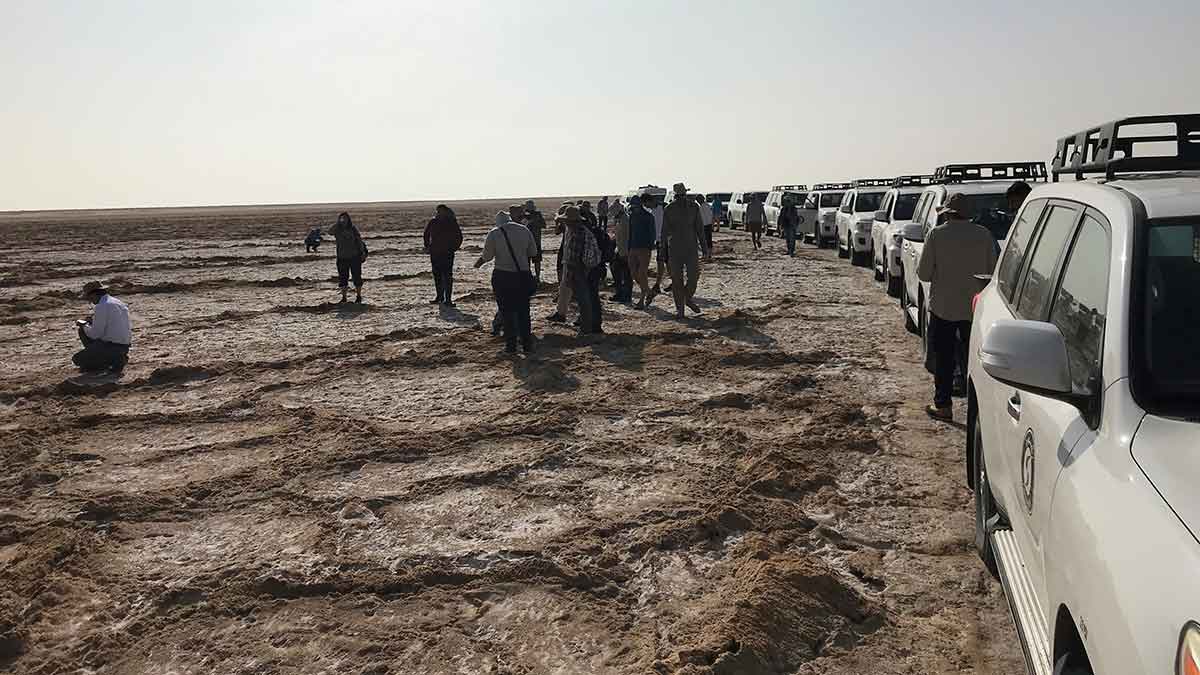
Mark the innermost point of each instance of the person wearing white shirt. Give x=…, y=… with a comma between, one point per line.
x=107, y=335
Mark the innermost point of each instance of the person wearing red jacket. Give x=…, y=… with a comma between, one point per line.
x=443, y=238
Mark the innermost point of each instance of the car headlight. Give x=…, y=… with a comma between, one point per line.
x=1187, y=662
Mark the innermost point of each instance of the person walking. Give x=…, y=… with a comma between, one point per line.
x=443, y=238
x=106, y=336
x=512, y=246
x=622, y=278
x=581, y=257
x=756, y=220
x=718, y=209
x=602, y=211
x=351, y=254
x=683, y=228
x=706, y=217
x=313, y=241
x=954, y=253
x=789, y=222
x=642, y=241
x=535, y=223
x=661, y=254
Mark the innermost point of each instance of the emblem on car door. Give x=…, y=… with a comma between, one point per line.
x=1027, y=454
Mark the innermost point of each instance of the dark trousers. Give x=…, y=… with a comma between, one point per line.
x=512, y=299
x=622, y=279
x=790, y=234
x=310, y=248
x=947, y=339
x=443, y=275
x=98, y=355
x=708, y=229
x=586, y=289
x=347, y=267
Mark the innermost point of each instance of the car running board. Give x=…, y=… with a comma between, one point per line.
x=1022, y=602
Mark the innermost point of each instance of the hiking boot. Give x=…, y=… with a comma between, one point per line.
x=942, y=413
x=693, y=306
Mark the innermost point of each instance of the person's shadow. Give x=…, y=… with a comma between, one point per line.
x=350, y=310
x=457, y=316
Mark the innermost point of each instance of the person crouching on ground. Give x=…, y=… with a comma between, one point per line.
x=511, y=245
x=351, y=254
x=443, y=238
x=641, y=242
x=313, y=241
x=107, y=335
x=954, y=253
x=683, y=229
x=581, y=257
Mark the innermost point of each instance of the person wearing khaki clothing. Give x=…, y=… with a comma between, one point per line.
x=683, y=231
x=954, y=253
x=642, y=241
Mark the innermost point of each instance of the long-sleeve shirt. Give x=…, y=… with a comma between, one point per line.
x=684, y=228
x=755, y=213
x=953, y=254
x=349, y=242
x=110, y=322
x=496, y=248
x=620, y=220
x=443, y=236
x=641, y=229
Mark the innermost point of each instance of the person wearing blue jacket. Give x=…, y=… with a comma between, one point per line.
x=642, y=240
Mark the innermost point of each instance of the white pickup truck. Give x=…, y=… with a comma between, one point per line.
x=1083, y=417
x=776, y=198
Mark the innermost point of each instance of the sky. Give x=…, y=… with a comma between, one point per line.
x=121, y=103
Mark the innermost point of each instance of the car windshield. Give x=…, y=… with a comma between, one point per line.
x=868, y=202
x=906, y=205
x=796, y=198
x=1168, y=340
x=831, y=199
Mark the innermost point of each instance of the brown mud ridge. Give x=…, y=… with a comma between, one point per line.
x=381, y=491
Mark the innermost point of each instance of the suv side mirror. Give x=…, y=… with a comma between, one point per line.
x=883, y=217
x=1029, y=355
x=913, y=232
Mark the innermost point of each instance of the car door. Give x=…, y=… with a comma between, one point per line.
x=878, y=227
x=912, y=255
x=808, y=214
x=1066, y=283
x=844, y=213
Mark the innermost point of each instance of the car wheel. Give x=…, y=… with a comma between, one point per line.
x=893, y=283
x=876, y=266
x=985, y=506
x=1065, y=666
x=841, y=252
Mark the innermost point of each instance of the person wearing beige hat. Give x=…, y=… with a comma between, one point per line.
x=954, y=252
x=683, y=229
x=106, y=336
x=581, y=257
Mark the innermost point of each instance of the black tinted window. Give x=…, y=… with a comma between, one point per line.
x=1170, y=352
x=1039, y=280
x=868, y=202
x=1081, y=301
x=905, y=206
x=1018, y=244
x=832, y=199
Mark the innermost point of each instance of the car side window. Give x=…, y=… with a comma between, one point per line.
x=1081, y=302
x=1036, y=289
x=931, y=214
x=812, y=200
x=887, y=203
x=848, y=203
x=1019, y=238
x=919, y=211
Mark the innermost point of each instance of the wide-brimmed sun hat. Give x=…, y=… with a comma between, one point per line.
x=955, y=202
x=570, y=215
x=680, y=189
x=529, y=205
x=94, y=287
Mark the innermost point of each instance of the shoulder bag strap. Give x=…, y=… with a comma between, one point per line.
x=510, y=249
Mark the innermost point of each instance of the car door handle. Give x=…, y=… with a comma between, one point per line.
x=1014, y=407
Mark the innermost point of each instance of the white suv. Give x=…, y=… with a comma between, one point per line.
x=887, y=231
x=1084, y=408
x=779, y=195
x=818, y=221
x=737, y=207
x=984, y=187
x=855, y=216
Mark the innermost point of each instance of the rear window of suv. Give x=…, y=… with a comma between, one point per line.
x=1167, y=380
x=868, y=202
x=906, y=205
x=831, y=200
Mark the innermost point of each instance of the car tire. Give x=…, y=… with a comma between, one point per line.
x=1064, y=666
x=893, y=284
x=985, y=506
x=877, y=266
x=841, y=253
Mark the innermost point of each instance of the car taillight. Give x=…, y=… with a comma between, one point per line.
x=1188, y=660
x=974, y=302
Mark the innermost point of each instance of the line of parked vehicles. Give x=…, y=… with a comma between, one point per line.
x=1082, y=379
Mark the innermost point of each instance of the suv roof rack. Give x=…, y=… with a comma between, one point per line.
x=794, y=188
x=873, y=182
x=963, y=173
x=832, y=186
x=913, y=180
x=1103, y=149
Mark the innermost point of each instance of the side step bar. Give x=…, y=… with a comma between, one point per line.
x=1022, y=602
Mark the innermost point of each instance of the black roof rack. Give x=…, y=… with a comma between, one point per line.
x=912, y=181
x=873, y=182
x=832, y=186
x=1104, y=150
x=794, y=188
x=964, y=173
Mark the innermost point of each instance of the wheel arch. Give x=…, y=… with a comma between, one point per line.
x=1067, y=641
x=972, y=421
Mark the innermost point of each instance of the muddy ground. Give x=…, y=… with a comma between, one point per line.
x=279, y=484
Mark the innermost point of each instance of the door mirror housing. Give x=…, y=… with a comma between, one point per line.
x=1028, y=355
x=913, y=232
x=883, y=217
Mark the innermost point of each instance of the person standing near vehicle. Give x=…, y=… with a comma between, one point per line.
x=756, y=220
x=717, y=210
x=511, y=245
x=581, y=257
x=443, y=238
x=789, y=222
x=706, y=217
x=622, y=278
x=683, y=228
x=107, y=335
x=535, y=223
x=642, y=240
x=954, y=253
x=351, y=254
